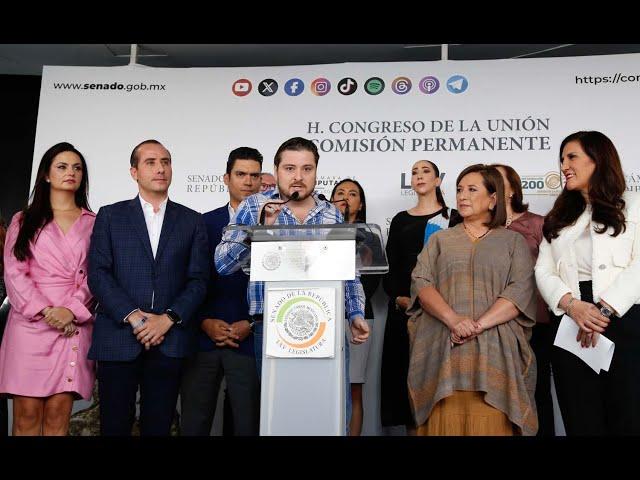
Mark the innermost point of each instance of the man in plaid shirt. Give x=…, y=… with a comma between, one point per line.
x=295, y=164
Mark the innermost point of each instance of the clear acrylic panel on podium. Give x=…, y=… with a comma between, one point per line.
x=370, y=256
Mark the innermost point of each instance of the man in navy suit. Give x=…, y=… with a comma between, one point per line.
x=225, y=337
x=148, y=269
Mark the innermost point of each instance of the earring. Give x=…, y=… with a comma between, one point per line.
x=47, y=180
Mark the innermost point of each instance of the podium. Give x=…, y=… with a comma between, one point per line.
x=304, y=268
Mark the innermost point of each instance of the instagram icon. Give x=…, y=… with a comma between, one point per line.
x=320, y=86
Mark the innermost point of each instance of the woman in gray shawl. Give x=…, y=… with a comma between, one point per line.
x=473, y=304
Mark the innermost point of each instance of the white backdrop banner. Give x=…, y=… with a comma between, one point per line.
x=371, y=121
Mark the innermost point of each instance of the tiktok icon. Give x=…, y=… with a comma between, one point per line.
x=347, y=86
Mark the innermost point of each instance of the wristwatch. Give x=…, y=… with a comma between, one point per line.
x=605, y=311
x=173, y=316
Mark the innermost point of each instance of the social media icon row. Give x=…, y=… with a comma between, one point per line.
x=348, y=86
x=430, y=85
x=293, y=87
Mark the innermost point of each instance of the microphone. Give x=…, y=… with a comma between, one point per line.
x=346, y=210
x=325, y=199
x=294, y=196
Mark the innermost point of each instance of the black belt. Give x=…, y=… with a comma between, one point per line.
x=258, y=317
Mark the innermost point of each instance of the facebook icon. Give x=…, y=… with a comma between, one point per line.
x=294, y=87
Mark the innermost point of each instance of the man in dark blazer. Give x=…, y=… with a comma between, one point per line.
x=225, y=337
x=148, y=269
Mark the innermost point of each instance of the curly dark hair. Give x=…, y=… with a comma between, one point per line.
x=606, y=188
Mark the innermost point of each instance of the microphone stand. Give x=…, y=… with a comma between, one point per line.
x=346, y=209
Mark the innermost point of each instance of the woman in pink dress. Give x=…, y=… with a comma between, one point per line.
x=43, y=357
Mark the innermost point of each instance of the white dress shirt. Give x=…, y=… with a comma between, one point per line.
x=584, y=253
x=154, y=221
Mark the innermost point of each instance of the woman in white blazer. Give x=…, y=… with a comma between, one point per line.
x=589, y=269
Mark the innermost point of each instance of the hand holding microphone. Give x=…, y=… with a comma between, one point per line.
x=271, y=210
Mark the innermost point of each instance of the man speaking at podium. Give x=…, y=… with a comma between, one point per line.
x=293, y=203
